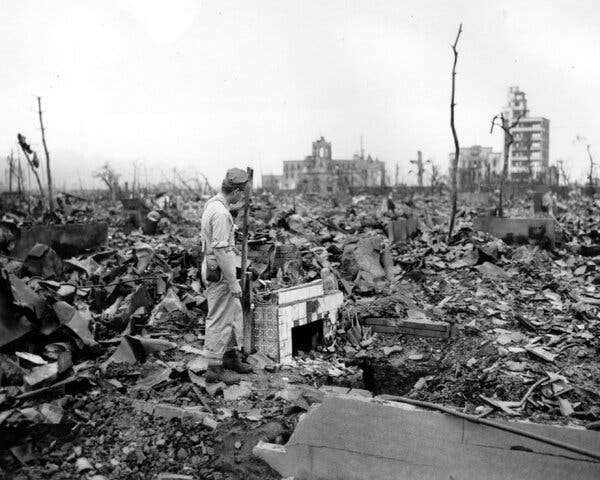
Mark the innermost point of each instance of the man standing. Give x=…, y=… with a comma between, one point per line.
x=223, y=292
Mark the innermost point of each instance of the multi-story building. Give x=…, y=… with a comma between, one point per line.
x=530, y=152
x=477, y=166
x=319, y=173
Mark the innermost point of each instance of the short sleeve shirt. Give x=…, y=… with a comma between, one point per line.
x=217, y=227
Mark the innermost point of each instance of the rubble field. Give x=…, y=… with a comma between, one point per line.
x=101, y=373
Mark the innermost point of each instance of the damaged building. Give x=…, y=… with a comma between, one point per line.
x=530, y=152
x=477, y=166
x=320, y=173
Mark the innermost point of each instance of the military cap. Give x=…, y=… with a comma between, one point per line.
x=236, y=177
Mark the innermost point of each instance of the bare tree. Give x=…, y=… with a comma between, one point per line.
x=110, y=179
x=184, y=182
x=454, y=168
x=589, y=152
x=435, y=175
x=508, y=141
x=32, y=161
x=211, y=190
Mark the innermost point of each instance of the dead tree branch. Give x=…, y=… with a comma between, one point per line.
x=589, y=152
x=455, y=137
x=107, y=175
x=508, y=141
x=33, y=161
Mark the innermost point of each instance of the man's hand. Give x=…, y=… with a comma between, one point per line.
x=235, y=290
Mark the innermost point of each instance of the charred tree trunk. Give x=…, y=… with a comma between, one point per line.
x=455, y=137
x=35, y=173
x=507, y=144
x=508, y=141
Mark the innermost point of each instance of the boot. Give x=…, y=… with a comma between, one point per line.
x=216, y=374
x=232, y=361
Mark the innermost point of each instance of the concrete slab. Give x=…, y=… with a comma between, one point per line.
x=357, y=438
x=518, y=229
x=67, y=239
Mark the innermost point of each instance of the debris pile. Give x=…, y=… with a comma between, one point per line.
x=101, y=366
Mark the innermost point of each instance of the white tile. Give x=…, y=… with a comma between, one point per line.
x=283, y=332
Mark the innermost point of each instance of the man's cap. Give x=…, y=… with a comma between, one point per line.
x=236, y=177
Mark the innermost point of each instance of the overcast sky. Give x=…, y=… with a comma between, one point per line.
x=207, y=85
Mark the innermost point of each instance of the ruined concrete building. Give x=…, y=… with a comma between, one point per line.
x=477, y=166
x=319, y=173
x=530, y=152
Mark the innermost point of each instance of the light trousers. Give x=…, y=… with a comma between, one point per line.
x=223, y=321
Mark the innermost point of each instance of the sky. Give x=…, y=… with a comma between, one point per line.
x=202, y=86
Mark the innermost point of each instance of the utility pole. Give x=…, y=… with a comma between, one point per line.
x=48, y=173
x=397, y=174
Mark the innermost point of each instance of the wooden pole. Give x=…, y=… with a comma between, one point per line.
x=246, y=276
x=48, y=172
